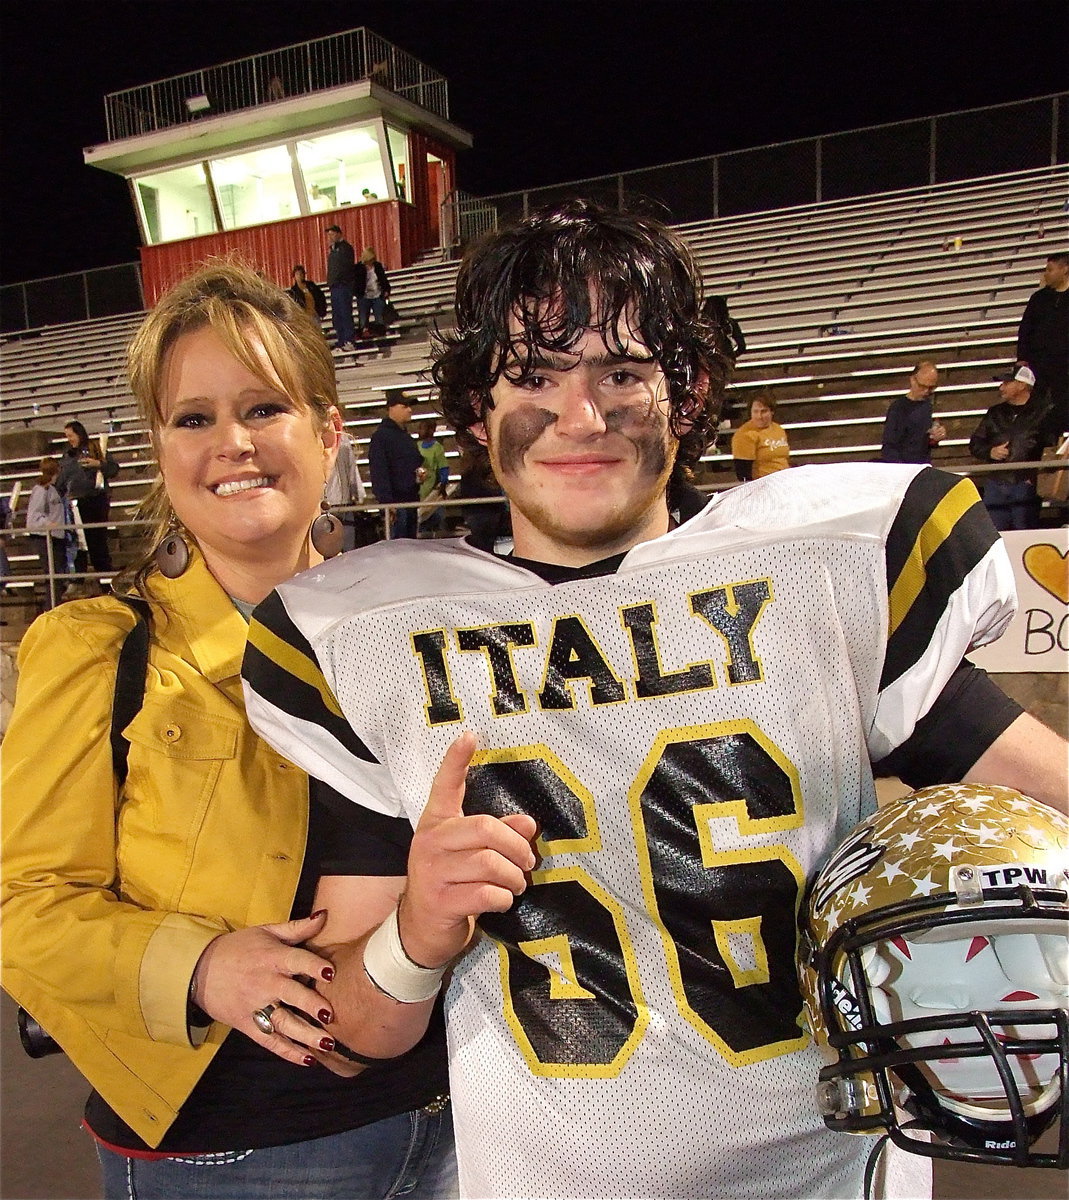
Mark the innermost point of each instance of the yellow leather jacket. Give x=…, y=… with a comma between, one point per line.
x=108, y=899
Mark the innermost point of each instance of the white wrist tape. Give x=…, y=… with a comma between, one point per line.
x=391, y=970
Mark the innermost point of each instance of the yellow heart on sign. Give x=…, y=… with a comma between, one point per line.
x=1049, y=568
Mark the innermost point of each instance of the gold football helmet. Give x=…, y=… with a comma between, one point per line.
x=934, y=969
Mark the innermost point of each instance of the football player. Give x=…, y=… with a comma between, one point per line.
x=593, y=773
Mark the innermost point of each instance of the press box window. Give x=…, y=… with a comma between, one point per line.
x=399, y=156
x=337, y=168
x=175, y=204
x=255, y=188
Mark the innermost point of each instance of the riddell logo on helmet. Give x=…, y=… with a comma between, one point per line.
x=845, y=1004
x=993, y=1145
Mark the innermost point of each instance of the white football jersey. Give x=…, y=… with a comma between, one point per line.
x=694, y=735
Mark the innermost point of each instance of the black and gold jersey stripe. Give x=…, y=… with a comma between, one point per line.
x=281, y=664
x=939, y=535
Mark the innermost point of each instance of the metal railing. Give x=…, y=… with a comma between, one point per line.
x=56, y=578
x=77, y=296
x=947, y=148
x=296, y=70
x=464, y=217
x=52, y=582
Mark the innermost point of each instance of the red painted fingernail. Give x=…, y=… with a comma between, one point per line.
x=325, y=1016
x=308, y=1061
x=319, y=912
x=327, y=973
x=326, y=1043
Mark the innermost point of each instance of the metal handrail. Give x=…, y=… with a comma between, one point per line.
x=54, y=577
x=296, y=70
x=624, y=185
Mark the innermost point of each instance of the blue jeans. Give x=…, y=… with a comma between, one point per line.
x=410, y=1155
x=1012, y=505
x=341, y=312
x=371, y=306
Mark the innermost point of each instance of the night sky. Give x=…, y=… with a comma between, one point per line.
x=551, y=91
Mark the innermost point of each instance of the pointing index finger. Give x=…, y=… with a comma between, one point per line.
x=447, y=791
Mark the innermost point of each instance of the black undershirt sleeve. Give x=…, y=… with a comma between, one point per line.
x=354, y=840
x=967, y=717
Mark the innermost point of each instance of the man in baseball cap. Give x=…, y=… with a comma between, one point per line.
x=1022, y=373
x=1011, y=431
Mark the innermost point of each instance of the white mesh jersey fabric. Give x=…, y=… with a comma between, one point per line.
x=691, y=733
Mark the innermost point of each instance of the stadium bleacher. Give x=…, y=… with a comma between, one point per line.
x=837, y=301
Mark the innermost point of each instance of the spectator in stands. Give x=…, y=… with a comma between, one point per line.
x=308, y=295
x=83, y=477
x=1043, y=344
x=759, y=447
x=487, y=522
x=729, y=331
x=372, y=291
x=436, y=478
x=909, y=432
x=396, y=465
x=345, y=487
x=154, y=923
x=341, y=279
x=322, y=197
x=46, y=509
x=1012, y=431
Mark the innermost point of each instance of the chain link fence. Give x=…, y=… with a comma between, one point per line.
x=64, y=299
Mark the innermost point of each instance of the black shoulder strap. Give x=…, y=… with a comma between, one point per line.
x=129, y=682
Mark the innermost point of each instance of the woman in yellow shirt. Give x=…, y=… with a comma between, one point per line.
x=760, y=446
x=158, y=925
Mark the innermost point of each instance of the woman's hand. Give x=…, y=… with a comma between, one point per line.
x=300, y=1030
x=243, y=971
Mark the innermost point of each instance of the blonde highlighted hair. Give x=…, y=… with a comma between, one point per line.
x=239, y=306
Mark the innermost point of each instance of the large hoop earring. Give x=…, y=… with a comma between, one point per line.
x=327, y=532
x=172, y=554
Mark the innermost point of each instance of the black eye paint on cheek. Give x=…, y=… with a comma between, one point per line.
x=652, y=452
x=645, y=431
x=519, y=431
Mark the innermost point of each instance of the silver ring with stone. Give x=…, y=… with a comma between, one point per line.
x=262, y=1019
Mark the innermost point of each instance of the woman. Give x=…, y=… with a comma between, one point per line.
x=155, y=929
x=372, y=290
x=83, y=478
x=45, y=516
x=308, y=295
x=759, y=447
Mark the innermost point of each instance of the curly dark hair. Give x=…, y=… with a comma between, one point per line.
x=568, y=268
